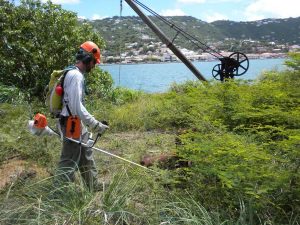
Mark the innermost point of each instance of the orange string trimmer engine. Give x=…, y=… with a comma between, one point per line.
x=40, y=121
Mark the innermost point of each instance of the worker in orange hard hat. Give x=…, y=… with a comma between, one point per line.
x=74, y=119
x=89, y=55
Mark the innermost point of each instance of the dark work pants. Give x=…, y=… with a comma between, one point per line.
x=76, y=157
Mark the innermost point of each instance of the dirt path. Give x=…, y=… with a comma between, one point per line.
x=14, y=169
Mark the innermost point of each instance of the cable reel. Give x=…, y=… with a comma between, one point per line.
x=235, y=64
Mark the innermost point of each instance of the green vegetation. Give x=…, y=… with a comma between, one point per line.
x=118, y=31
x=241, y=138
x=278, y=30
x=36, y=39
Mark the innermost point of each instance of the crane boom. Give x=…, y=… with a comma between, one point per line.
x=165, y=40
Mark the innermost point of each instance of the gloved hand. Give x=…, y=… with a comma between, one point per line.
x=100, y=128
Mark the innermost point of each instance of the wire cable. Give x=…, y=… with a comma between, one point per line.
x=120, y=48
x=189, y=37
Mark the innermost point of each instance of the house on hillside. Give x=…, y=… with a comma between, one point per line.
x=294, y=48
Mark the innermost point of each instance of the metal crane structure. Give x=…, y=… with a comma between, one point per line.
x=230, y=66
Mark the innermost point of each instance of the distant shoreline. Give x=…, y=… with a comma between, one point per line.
x=159, y=77
x=214, y=60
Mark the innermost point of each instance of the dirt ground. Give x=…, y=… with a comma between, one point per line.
x=14, y=169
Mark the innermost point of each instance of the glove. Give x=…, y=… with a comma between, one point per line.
x=100, y=128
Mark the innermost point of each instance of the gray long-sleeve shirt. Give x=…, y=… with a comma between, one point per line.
x=74, y=97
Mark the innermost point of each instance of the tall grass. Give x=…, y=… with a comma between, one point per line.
x=187, y=211
x=116, y=199
x=132, y=197
x=45, y=202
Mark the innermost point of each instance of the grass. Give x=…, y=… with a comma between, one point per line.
x=187, y=211
x=44, y=203
x=242, y=140
x=126, y=200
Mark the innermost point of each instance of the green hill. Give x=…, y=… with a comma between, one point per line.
x=277, y=30
x=120, y=30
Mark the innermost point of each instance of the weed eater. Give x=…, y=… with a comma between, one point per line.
x=39, y=127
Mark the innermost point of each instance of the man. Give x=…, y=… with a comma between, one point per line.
x=73, y=155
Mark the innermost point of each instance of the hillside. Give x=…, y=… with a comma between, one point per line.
x=118, y=30
x=277, y=30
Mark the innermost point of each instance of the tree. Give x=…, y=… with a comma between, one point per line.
x=37, y=38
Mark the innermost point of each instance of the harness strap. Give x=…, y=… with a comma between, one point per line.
x=62, y=84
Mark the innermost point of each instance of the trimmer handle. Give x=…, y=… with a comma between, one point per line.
x=104, y=122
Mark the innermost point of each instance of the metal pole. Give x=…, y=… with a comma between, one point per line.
x=165, y=40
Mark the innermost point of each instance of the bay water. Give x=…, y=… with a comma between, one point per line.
x=158, y=77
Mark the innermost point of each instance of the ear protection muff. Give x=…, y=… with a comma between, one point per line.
x=91, y=54
x=87, y=59
x=85, y=56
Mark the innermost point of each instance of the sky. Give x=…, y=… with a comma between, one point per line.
x=206, y=10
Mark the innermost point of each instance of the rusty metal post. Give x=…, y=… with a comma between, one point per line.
x=165, y=40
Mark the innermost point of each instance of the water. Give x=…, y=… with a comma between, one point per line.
x=159, y=77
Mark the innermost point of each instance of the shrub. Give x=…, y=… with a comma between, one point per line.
x=10, y=94
x=37, y=39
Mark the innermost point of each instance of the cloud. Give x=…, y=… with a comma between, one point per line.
x=215, y=16
x=260, y=9
x=172, y=12
x=93, y=17
x=63, y=1
x=82, y=17
x=97, y=17
x=191, y=1
x=206, y=1
x=222, y=1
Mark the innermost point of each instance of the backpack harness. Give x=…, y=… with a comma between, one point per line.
x=55, y=102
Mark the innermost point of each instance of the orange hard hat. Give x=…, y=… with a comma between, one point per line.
x=91, y=47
